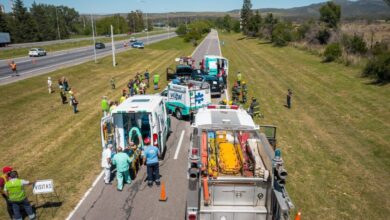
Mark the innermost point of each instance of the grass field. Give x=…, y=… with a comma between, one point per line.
x=43, y=139
x=335, y=140
x=21, y=52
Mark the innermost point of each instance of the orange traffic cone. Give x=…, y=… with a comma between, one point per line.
x=163, y=193
x=298, y=216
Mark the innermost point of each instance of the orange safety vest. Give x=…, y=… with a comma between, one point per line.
x=13, y=66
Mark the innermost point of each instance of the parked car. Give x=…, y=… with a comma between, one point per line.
x=138, y=44
x=133, y=39
x=100, y=45
x=216, y=87
x=36, y=52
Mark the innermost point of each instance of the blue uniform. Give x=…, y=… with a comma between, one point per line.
x=151, y=154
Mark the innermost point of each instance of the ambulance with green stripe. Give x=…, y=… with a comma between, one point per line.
x=187, y=96
x=135, y=119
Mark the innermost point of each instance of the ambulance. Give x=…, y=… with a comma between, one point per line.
x=146, y=114
x=184, y=97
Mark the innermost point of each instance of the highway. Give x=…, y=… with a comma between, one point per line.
x=137, y=200
x=28, y=67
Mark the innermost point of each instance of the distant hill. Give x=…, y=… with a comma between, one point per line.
x=374, y=9
x=349, y=9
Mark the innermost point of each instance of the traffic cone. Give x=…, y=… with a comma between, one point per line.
x=298, y=216
x=163, y=194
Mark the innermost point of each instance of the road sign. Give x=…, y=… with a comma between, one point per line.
x=43, y=187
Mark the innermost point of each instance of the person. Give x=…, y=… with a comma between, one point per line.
x=63, y=95
x=224, y=78
x=60, y=84
x=146, y=75
x=254, y=108
x=3, y=180
x=74, y=102
x=122, y=161
x=289, y=95
x=65, y=84
x=239, y=78
x=244, y=91
x=113, y=105
x=156, y=79
x=136, y=88
x=151, y=155
x=105, y=106
x=106, y=163
x=112, y=81
x=14, y=189
x=235, y=93
x=13, y=68
x=142, y=87
x=122, y=98
x=49, y=84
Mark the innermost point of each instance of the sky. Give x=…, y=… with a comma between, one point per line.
x=124, y=6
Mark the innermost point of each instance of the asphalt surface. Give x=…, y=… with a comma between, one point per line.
x=28, y=67
x=138, y=201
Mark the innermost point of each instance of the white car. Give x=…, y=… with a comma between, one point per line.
x=133, y=39
x=36, y=52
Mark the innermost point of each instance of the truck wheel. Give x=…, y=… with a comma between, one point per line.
x=178, y=114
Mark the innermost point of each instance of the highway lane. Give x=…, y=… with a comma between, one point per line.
x=137, y=200
x=28, y=67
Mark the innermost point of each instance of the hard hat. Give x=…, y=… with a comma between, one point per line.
x=147, y=140
x=243, y=82
x=70, y=92
x=7, y=169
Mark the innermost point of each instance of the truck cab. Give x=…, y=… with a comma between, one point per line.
x=233, y=171
x=144, y=112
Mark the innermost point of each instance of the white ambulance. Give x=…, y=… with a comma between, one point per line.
x=144, y=113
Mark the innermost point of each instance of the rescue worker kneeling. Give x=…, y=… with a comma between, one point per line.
x=122, y=162
x=151, y=155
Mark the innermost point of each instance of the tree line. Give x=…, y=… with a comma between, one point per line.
x=325, y=31
x=43, y=22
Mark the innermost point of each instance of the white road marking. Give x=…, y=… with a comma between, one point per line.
x=179, y=145
x=85, y=196
x=219, y=45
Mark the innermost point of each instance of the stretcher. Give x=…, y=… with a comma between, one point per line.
x=247, y=164
x=228, y=159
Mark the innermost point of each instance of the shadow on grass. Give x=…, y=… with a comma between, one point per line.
x=376, y=82
x=264, y=42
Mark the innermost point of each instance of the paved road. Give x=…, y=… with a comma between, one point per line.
x=137, y=200
x=28, y=67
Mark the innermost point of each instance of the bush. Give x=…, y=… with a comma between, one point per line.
x=332, y=52
x=181, y=30
x=355, y=44
x=379, y=48
x=323, y=36
x=379, y=67
x=282, y=34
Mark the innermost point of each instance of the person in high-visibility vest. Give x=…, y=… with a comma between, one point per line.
x=239, y=78
x=156, y=79
x=14, y=189
x=13, y=68
x=3, y=180
x=122, y=162
x=105, y=106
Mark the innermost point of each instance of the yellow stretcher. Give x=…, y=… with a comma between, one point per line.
x=228, y=159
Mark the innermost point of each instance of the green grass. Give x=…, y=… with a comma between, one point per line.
x=43, y=139
x=335, y=140
x=22, y=52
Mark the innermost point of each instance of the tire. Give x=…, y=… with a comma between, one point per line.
x=178, y=114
